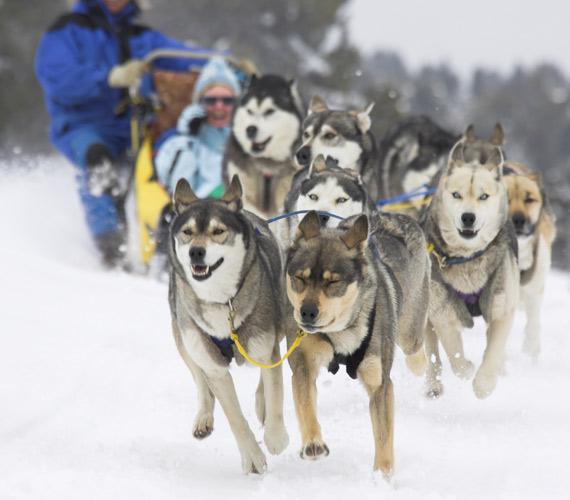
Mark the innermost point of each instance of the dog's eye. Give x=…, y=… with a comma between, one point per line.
x=249, y=112
x=306, y=135
x=269, y=112
x=314, y=197
x=333, y=282
x=456, y=195
x=341, y=200
x=484, y=196
x=218, y=231
x=187, y=232
x=299, y=280
x=329, y=136
x=528, y=201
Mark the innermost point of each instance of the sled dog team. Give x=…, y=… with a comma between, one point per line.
x=345, y=283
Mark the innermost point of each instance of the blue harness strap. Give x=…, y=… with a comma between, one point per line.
x=225, y=346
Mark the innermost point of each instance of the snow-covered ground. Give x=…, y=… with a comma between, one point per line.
x=96, y=404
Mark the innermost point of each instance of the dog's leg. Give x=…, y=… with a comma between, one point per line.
x=497, y=333
x=204, y=420
x=449, y=333
x=434, y=386
x=381, y=394
x=305, y=366
x=532, y=303
x=252, y=458
x=260, y=401
x=275, y=437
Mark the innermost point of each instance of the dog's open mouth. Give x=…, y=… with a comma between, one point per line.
x=468, y=233
x=201, y=272
x=259, y=147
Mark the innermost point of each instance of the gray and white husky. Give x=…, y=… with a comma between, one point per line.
x=265, y=132
x=474, y=263
x=400, y=242
x=344, y=136
x=223, y=257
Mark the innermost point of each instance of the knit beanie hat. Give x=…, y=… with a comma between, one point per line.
x=216, y=72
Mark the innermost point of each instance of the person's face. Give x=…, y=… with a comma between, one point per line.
x=218, y=102
x=115, y=6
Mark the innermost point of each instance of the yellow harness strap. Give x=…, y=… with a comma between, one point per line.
x=440, y=258
x=405, y=205
x=243, y=352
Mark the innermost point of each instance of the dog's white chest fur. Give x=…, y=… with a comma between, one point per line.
x=526, y=252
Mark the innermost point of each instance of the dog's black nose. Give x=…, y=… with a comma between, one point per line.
x=518, y=220
x=251, y=132
x=197, y=254
x=468, y=219
x=304, y=156
x=324, y=218
x=309, y=313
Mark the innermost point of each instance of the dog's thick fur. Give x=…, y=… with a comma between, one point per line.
x=345, y=137
x=467, y=224
x=347, y=300
x=401, y=242
x=535, y=227
x=219, y=253
x=266, y=128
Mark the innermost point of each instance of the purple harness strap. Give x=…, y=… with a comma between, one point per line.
x=471, y=301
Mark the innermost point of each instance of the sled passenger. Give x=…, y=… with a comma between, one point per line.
x=85, y=63
x=196, y=148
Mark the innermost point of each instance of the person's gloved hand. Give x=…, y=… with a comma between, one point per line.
x=190, y=120
x=103, y=179
x=126, y=74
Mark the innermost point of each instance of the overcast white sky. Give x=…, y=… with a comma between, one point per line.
x=492, y=33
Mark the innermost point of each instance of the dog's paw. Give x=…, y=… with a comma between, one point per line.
x=314, y=450
x=463, y=368
x=434, y=390
x=276, y=438
x=417, y=363
x=253, y=460
x=484, y=384
x=203, y=425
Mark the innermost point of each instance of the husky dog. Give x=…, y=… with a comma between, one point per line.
x=265, y=132
x=400, y=241
x=411, y=153
x=535, y=228
x=474, y=263
x=347, y=300
x=344, y=136
x=224, y=257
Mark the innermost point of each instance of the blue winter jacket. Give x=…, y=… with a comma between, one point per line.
x=76, y=55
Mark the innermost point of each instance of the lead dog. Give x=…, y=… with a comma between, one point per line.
x=474, y=263
x=534, y=224
x=223, y=257
x=347, y=300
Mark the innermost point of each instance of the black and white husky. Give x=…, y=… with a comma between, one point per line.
x=265, y=132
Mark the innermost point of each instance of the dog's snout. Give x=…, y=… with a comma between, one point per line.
x=468, y=219
x=309, y=313
x=251, y=131
x=197, y=254
x=518, y=220
x=304, y=156
x=324, y=218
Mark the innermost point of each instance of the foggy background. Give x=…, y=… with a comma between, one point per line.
x=458, y=63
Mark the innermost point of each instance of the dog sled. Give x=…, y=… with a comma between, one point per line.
x=146, y=201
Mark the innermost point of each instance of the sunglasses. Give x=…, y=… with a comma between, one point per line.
x=212, y=100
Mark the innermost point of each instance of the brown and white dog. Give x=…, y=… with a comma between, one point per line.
x=534, y=223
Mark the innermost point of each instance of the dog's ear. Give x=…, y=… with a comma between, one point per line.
x=233, y=194
x=309, y=227
x=296, y=95
x=183, y=196
x=319, y=165
x=456, y=155
x=495, y=162
x=357, y=234
x=363, y=118
x=317, y=105
x=498, y=136
x=469, y=134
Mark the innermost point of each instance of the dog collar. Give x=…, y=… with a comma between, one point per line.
x=445, y=260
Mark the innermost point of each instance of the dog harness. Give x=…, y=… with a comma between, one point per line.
x=352, y=361
x=471, y=301
x=225, y=346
